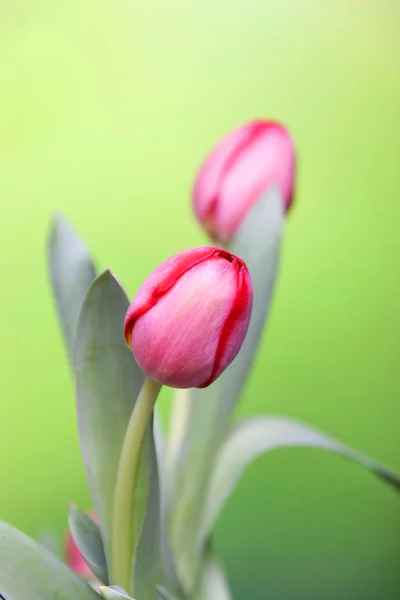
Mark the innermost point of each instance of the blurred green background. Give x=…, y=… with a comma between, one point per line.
x=106, y=109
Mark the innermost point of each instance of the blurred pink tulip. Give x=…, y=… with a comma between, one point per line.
x=189, y=318
x=76, y=562
x=242, y=166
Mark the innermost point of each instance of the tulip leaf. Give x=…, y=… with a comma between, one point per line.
x=159, y=441
x=87, y=537
x=163, y=481
x=146, y=561
x=114, y=593
x=71, y=273
x=258, y=243
x=49, y=540
x=108, y=382
x=212, y=583
x=163, y=594
x=152, y=561
x=29, y=572
x=255, y=436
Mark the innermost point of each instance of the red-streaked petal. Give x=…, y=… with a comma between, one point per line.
x=244, y=164
x=193, y=323
x=160, y=280
x=235, y=326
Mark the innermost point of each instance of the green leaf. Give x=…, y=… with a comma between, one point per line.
x=71, y=273
x=159, y=441
x=171, y=577
x=49, y=540
x=212, y=583
x=107, y=385
x=258, y=243
x=87, y=537
x=257, y=435
x=29, y=572
x=152, y=562
x=163, y=594
x=146, y=561
x=114, y=593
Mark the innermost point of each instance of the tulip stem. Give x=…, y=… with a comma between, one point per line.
x=123, y=518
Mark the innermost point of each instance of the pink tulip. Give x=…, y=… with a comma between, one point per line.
x=76, y=562
x=238, y=171
x=189, y=318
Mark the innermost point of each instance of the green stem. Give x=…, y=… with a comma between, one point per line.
x=122, y=531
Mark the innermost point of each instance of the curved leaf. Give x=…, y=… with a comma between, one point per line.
x=169, y=569
x=163, y=594
x=159, y=441
x=71, y=273
x=114, y=593
x=49, y=540
x=258, y=243
x=146, y=561
x=87, y=537
x=107, y=385
x=254, y=436
x=29, y=572
x=212, y=582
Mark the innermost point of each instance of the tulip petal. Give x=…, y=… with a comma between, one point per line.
x=238, y=171
x=211, y=173
x=87, y=537
x=176, y=342
x=107, y=385
x=71, y=273
x=161, y=280
x=272, y=148
x=27, y=570
x=255, y=436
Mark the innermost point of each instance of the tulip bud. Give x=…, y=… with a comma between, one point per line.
x=236, y=173
x=189, y=318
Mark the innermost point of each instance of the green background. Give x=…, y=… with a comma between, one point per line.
x=106, y=109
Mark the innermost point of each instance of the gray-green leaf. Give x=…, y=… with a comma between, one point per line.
x=49, y=540
x=169, y=569
x=71, y=273
x=114, y=593
x=29, y=572
x=258, y=243
x=107, y=385
x=212, y=583
x=146, y=561
x=87, y=537
x=164, y=594
x=254, y=436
